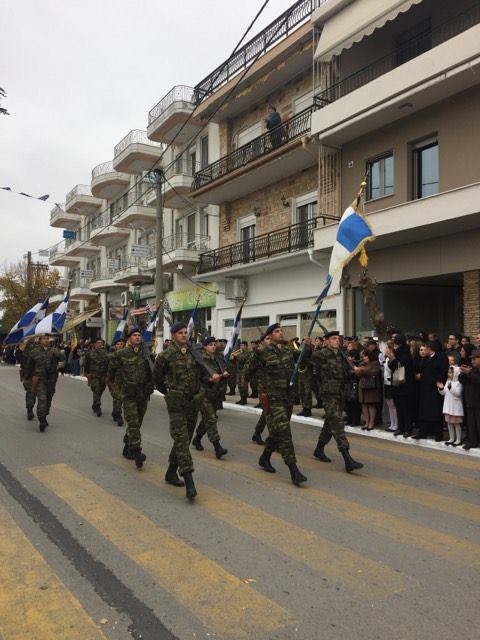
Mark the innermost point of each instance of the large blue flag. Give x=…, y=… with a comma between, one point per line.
x=118, y=335
x=27, y=322
x=148, y=333
x=53, y=323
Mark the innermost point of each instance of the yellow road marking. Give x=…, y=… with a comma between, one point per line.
x=222, y=602
x=367, y=577
x=396, y=527
x=34, y=603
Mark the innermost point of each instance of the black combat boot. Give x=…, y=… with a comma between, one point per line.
x=264, y=461
x=137, y=456
x=30, y=414
x=191, y=491
x=219, y=450
x=231, y=392
x=197, y=443
x=241, y=401
x=319, y=453
x=296, y=475
x=171, y=476
x=43, y=424
x=350, y=463
x=125, y=451
x=120, y=421
x=257, y=437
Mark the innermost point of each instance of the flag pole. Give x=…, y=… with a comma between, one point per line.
x=301, y=353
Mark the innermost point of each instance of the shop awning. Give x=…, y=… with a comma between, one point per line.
x=355, y=21
x=81, y=317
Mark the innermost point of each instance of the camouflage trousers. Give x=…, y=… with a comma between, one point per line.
x=305, y=389
x=134, y=409
x=30, y=397
x=117, y=400
x=333, y=423
x=97, y=385
x=261, y=424
x=45, y=393
x=242, y=388
x=208, y=424
x=182, y=426
x=279, y=433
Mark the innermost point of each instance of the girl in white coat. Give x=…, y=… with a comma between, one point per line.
x=452, y=405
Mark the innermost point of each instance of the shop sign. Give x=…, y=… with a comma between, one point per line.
x=94, y=322
x=140, y=250
x=185, y=299
x=112, y=264
x=86, y=274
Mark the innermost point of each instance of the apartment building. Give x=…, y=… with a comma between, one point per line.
x=397, y=94
x=264, y=182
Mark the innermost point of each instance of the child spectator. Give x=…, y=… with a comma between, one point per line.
x=452, y=405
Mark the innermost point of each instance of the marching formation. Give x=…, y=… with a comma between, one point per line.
x=193, y=379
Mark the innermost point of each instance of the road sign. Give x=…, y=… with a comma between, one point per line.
x=112, y=264
x=68, y=235
x=140, y=250
x=86, y=274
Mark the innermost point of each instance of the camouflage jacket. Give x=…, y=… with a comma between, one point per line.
x=175, y=368
x=96, y=363
x=276, y=363
x=333, y=371
x=242, y=359
x=26, y=353
x=214, y=389
x=43, y=363
x=129, y=367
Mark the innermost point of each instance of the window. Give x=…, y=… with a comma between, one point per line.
x=305, y=213
x=192, y=159
x=191, y=229
x=425, y=169
x=247, y=237
x=303, y=102
x=249, y=133
x=204, y=222
x=203, y=152
x=380, y=172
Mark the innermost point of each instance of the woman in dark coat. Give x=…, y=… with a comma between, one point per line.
x=369, y=387
x=402, y=394
x=430, y=414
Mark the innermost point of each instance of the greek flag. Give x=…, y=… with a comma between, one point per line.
x=148, y=333
x=191, y=323
x=233, y=338
x=167, y=311
x=118, y=335
x=27, y=322
x=53, y=323
x=353, y=232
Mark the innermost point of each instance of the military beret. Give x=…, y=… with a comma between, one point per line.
x=331, y=334
x=118, y=340
x=177, y=326
x=270, y=329
x=208, y=341
x=133, y=330
x=475, y=353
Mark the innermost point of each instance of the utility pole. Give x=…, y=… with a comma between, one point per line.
x=29, y=273
x=159, y=255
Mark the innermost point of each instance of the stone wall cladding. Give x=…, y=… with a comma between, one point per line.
x=471, y=302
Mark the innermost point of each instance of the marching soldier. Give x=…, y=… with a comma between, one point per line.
x=42, y=369
x=305, y=382
x=334, y=375
x=213, y=391
x=262, y=421
x=277, y=361
x=177, y=374
x=96, y=370
x=242, y=358
x=253, y=379
x=30, y=397
x=115, y=387
x=232, y=373
x=130, y=367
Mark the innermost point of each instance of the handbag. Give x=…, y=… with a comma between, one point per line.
x=398, y=377
x=368, y=382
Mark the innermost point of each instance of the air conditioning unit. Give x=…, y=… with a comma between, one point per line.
x=126, y=298
x=235, y=288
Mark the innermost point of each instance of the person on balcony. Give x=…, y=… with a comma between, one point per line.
x=273, y=122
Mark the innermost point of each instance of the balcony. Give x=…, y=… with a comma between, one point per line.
x=136, y=153
x=81, y=201
x=180, y=249
x=292, y=239
x=82, y=249
x=178, y=183
x=108, y=183
x=59, y=258
x=81, y=289
x=63, y=220
x=133, y=270
x=275, y=155
x=105, y=234
x=171, y=120
x=135, y=212
x=103, y=282
x=430, y=67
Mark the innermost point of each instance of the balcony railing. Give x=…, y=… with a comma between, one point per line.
x=100, y=221
x=289, y=130
x=56, y=211
x=186, y=241
x=130, y=262
x=57, y=250
x=277, y=30
x=179, y=93
x=101, y=169
x=287, y=240
x=182, y=166
x=78, y=190
x=136, y=136
x=422, y=42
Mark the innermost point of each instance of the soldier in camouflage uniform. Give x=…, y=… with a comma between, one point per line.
x=232, y=375
x=277, y=361
x=213, y=391
x=334, y=375
x=42, y=369
x=262, y=421
x=115, y=387
x=131, y=366
x=177, y=374
x=30, y=396
x=253, y=379
x=241, y=358
x=96, y=370
x=305, y=382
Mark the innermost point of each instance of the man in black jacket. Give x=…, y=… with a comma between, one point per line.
x=470, y=377
x=403, y=393
x=430, y=413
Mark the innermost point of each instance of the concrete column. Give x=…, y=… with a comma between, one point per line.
x=471, y=302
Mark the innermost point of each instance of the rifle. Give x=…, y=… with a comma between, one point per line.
x=197, y=356
x=146, y=355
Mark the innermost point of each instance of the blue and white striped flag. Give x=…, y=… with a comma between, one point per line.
x=167, y=311
x=233, y=338
x=53, y=323
x=191, y=322
x=148, y=333
x=148, y=309
x=352, y=234
x=119, y=331
x=27, y=322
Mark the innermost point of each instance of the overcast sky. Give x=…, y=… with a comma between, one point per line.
x=80, y=74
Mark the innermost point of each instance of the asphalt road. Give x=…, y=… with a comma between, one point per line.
x=92, y=548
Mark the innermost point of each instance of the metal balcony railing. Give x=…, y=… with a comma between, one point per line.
x=56, y=211
x=78, y=190
x=179, y=93
x=131, y=262
x=195, y=242
x=136, y=136
x=279, y=29
x=289, y=130
x=423, y=41
x=56, y=250
x=102, y=169
x=182, y=166
x=287, y=240
x=100, y=221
